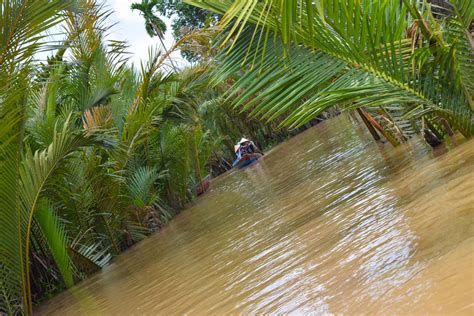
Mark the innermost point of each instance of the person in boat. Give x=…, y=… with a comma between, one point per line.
x=244, y=146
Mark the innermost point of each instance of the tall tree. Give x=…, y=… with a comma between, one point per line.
x=184, y=19
x=153, y=24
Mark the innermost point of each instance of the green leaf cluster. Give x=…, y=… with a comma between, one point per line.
x=95, y=155
x=300, y=58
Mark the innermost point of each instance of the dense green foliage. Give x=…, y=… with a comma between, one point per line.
x=406, y=67
x=154, y=26
x=95, y=155
x=185, y=19
x=184, y=16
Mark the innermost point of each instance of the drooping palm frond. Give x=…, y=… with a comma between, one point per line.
x=374, y=63
x=22, y=26
x=204, y=145
x=392, y=122
x=35, y=172
x=56, y=239
x=12, y=277
x=90, y=259
x=91, y=83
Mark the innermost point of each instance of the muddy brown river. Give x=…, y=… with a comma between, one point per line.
x=329, y=222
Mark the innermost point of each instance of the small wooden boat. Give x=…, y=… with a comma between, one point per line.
x=246, y=160
x=202, y=186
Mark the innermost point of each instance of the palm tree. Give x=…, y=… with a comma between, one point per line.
x=392, y=58
x=23, y=27
x=153, y=24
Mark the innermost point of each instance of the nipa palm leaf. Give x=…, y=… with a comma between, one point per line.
x=365, y=38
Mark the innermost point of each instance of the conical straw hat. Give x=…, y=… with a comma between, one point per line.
x=243, y=140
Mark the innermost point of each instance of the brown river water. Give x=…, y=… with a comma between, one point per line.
x=329, y=222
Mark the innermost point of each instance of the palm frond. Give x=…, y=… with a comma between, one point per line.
x=140, y=186
x=90, y=258
x=22, y=27
x=366, y=39
x=56, y=239
x=12, y=276
x=35, y=172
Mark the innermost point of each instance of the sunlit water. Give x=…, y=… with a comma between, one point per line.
x=328, y=222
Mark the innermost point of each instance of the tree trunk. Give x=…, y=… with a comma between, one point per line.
x=157, y=31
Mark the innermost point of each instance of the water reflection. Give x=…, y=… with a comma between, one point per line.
x=330, y=222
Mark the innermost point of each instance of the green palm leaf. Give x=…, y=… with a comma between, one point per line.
x=35, y=172
x=12, y=277
x=90, y=258
x=56, y=239
x=22, y=26
x=365, y=38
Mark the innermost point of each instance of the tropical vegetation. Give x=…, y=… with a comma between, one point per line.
x=154, y=26
x=96, y=154
x=185, y=18
x=404, y=65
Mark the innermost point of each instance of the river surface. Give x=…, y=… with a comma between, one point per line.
x=327, y=223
